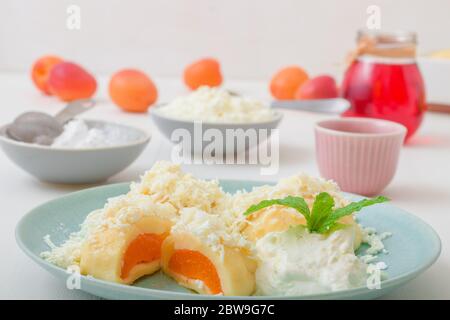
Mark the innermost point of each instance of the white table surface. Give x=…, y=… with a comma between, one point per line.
x=421, y=186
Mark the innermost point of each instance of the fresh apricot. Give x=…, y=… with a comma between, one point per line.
x=132, y=90
x=320, y=87
x=204, y=72
x=285, y=82
x=69, y=81
x=41, y=70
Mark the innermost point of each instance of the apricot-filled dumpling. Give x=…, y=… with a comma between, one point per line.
x=128, y=244
x=202, y=255
x=122, y=238
x=279, y=219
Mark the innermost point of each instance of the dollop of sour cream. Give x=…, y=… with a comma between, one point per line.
x=297, y=262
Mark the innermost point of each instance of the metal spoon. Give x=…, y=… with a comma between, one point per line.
x=42, y=128
x=330, y=106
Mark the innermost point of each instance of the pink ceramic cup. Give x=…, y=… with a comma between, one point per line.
x=360, y=154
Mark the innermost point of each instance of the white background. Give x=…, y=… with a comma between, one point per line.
x=252, y=38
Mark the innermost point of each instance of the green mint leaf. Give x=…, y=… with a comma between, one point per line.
x=356, y=206
x=297, y=203
x=321, y=210
x=322, y=218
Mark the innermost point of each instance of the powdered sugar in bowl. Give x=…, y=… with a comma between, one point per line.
x=79, y=134
x=87, y=151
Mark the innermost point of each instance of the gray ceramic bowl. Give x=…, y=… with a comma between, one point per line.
x=168, y=125
x=75, y=166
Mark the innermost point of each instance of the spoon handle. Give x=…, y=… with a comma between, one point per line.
x=330, y=106
x=73, y=109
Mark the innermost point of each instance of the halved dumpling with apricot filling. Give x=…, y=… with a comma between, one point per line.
x=125, y=253
x=197, y=266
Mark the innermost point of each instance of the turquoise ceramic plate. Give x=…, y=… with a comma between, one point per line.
x=413, y=247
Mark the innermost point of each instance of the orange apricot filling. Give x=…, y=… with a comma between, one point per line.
x=194, y=265
x=144, y=249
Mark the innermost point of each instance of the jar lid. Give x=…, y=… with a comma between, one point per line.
x=398, y=44
x=388, y=38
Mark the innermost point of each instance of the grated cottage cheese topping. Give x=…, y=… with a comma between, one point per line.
x=217, y=105
x=210, y=228
x=166, y=182
x=374, y=240
x=69, y=252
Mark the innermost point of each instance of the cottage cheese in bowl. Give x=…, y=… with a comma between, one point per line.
x=217, y=105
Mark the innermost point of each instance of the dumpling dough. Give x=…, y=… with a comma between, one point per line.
x=103, y=253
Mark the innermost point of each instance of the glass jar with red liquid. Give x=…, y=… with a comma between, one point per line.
x=384, y=81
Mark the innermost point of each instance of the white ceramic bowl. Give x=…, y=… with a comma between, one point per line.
x=168, y=125
x=75, y=166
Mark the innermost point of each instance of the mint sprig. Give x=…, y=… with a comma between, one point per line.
x=323, y=217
